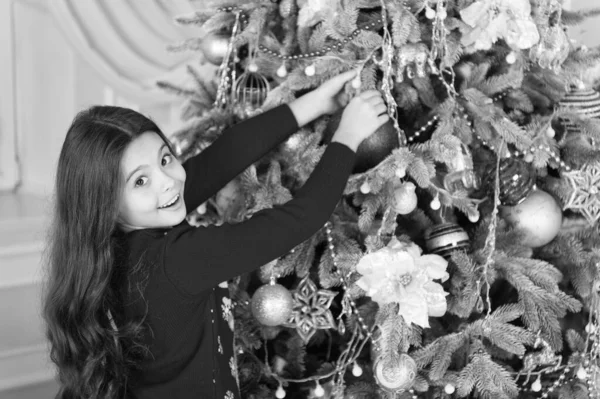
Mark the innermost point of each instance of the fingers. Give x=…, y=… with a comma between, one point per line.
x=339, y=80
x=368, y=94
x=381, y=119
x=380, y=109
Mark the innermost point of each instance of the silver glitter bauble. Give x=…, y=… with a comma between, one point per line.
x=272, y=305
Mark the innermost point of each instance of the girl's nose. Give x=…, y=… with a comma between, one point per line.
x=168, y=182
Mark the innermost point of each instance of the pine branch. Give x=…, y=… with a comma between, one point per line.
x=576, y=17
x=486, y=378
x=463, y=285
x=542, y=306
x=369, y=209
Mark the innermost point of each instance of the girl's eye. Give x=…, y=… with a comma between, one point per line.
x=167, y=159
x=141, y=181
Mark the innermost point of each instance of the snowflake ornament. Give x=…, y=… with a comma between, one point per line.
x=311, y=309
x=585, y=191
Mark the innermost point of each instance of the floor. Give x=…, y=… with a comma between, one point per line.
x=45, y=390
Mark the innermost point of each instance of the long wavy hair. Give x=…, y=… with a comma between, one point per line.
x=92, y=344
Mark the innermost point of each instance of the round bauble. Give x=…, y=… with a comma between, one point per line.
x=272, y=305
x=395, y=375
x=373, y=149
x=583, y=101
x=539, y=217
x=405, y=198
x=445, y=238
x=516, y=180
x=214, y=46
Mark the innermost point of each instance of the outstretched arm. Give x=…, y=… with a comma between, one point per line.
x=236, y=149
x=197, y=259
x=245, y=143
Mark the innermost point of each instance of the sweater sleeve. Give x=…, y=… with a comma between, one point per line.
x=197, y=259
x=236, y=149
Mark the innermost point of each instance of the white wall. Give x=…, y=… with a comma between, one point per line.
x=587, y=33
x=44, y=83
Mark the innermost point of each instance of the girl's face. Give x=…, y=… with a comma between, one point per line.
x=152, y=193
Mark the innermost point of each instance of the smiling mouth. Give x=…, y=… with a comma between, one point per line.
x=169, y=204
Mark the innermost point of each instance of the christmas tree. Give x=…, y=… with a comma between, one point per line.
x=463, y=259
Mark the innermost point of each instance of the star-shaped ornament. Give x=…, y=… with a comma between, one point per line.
x=311, y=309
x=585, y=191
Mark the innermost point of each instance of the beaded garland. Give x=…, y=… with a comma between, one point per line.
x=337, y=46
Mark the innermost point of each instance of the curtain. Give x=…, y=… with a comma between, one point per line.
x=125, y=41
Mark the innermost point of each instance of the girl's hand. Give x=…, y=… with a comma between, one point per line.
x=326, y=99
x=362, y=117
x=331, y=94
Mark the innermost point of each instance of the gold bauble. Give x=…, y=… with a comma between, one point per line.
x=214, y=46
x=272, y=305
x=539, y=217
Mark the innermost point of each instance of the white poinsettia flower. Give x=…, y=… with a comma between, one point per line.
x=399, y=273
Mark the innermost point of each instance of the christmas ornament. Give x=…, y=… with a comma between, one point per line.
x=544, y=357
x=583, y=101
x=280, y=393
x=214, y=46
x=356, y=370
x=396, y=374
x=249, y=93
x=398, y=273
x=314, y=11
x=311, y=309
x=500, y=19
x=319, y=391
x=539, y=217
x=272, y=304
x=461, y=176
x=449, y=389
x=553, y=48
x=585, y=191
x=286, y=7
x=537, y=385
x=516, y=180
x=405, y=198
x=373, y=149
x=445, y=238
x=412, y=59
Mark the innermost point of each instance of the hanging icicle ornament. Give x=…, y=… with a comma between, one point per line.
x=226, y=71
x=387, y=49
x=553, y=47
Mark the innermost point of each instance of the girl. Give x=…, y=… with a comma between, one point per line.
x=133, y=305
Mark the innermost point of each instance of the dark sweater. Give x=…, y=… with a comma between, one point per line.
x=186, y=308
